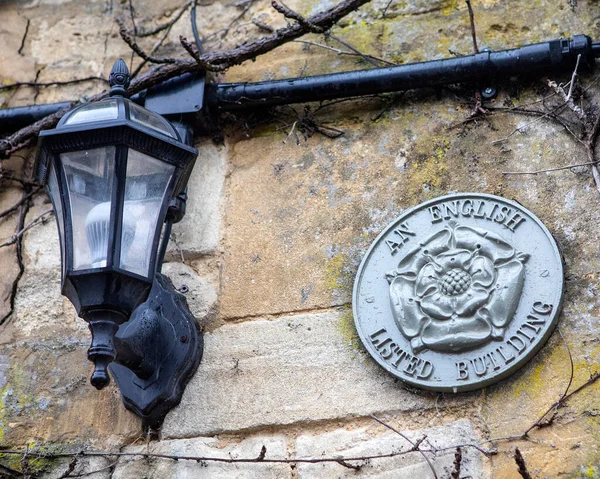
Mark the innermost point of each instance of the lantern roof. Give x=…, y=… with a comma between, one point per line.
x=114, y=109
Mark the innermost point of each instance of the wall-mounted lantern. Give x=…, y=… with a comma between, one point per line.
x=112, y=168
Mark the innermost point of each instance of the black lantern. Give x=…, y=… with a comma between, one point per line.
x=112, y=168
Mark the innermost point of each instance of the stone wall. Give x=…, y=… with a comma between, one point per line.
x=271, y=242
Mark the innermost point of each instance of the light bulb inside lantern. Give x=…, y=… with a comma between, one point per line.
x=97, y=225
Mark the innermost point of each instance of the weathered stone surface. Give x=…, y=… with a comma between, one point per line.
x=207, y=447
x=14, y=66
x=297, y=221
x=45, y=396
x=89, y=467
x=369, y=442
x=289, y=370
x=198, y=232
x=200, y=294
x=41, y=244
x=40, y=309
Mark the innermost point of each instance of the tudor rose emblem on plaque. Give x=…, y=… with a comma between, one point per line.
x=459, y=292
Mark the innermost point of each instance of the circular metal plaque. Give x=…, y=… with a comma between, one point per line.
x=459, y=292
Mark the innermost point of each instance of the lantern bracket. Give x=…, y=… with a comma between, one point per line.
x=161, y=343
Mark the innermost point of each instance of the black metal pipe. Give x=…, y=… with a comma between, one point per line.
x=546, y=57
x=12, y=119
x=483, y=67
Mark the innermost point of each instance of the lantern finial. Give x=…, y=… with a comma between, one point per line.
x=119, y=78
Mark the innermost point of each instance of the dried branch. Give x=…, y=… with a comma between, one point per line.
x=127, y=38
x=455, y=474
x=544, y=420
x=522, y=466
x=17, y=236
x=70, y=469
x=192, y=49
x=246, y=4
x=263, y=26
x=20, y=50
x=155, y=47
x=548, y=170
x=591, y=151
x=164, y=26
x=472, y=22
x=568, y=97
x=19, y=252
x=224, y=59
x=385, y=9
x=16, y=206
x=541, y=116
x=51, y=83
x=343, y=52
x=350, y=47
x=291, y=14
x=415, y=445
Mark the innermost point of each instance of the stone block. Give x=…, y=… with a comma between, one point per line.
x=40, y=309
x=200, y=294
x=366, y=441
x=89, y=467
x=207, y=447
x=41, y=244
x=46, y=396
x=199, y=231
x=293, y=369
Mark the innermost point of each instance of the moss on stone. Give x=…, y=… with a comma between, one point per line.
x=346, y=328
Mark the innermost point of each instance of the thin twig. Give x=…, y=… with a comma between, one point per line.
x=263, y=26
x=522, y=467
x=20, y=50
x=14, y=238
x=19, y=253
x=127, y=38
x=11, y=86
x=415, y=445
x=385, y=9
x=522, y=128
x=164, y=26
x=70, y=469
x=591, y=150
x=287, y=12
x=343, y=52
x=568, y=97
x=543, y=420
x=155, y=47
x=223, y=32
x=367, y=58
x=456, y=465
x=16, y=206
x=472, y=22
x=192, y=49
x=548, y=170
x=574, y=77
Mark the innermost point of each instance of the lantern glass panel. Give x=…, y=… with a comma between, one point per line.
x=151, y=120
x=146, y=185
x=99, y=111
x=90, y=176
x=58, y=209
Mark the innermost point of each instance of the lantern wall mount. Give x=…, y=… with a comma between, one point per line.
x=116, y=173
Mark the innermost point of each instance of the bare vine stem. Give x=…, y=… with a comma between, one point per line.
x=212, y=60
